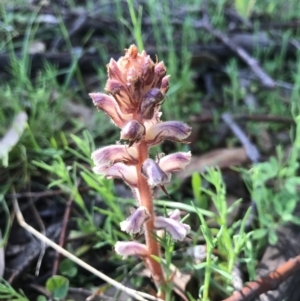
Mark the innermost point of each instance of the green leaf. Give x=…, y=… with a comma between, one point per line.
x=259, y=234
x=68, y=268
x=90, y=180
x=221, y=272
x=58, y=286
x=273, y=238
x=196, y=185
x=181, y=206
x=292, y=184
x=200, y=266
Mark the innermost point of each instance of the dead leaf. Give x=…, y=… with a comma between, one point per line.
x=222, y=158
x=13, y=135
x=180, y=280
x=37, y=47
x=197, y=252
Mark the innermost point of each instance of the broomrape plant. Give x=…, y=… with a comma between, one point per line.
x=136, y=89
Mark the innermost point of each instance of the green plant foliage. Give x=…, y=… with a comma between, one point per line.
x=276, y=204
x=68, y=268
x=8, y=293
x=58, y=286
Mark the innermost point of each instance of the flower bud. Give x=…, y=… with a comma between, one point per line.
x=119, y=170
x=159, y=72
x=109, y=155
x=175, y=215
x=131, y=248
x=108, y=105
x=150, y=101
x=165, y=84
x=114, y=71
x=169, y=130
x=153, y=173
x=134, y=223
x=134, y=85
x=148, y=73
x=174, y=162
x=133, y=131
x=176, y=229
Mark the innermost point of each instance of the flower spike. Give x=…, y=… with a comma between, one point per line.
x=136, y=89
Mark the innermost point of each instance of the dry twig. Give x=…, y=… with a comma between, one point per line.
x=257, y=117
x=270, y=282
x=131, y=292
x=264, y=78
x=62, y=237
x=252, y=153
x=251, y=150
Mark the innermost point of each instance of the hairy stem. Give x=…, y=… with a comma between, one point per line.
x=146, y=201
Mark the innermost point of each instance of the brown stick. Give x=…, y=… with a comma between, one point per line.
x=251, y=150
x=42, y=194
x=270, y=282
x=146, y=201
x=264, y=78
x=259, y=118
x=62, y=237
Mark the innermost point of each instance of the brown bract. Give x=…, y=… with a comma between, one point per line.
x=136, y=88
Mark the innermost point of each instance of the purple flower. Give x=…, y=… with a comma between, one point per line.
x=109, y=155
x=175, y=228
x=122, y=96
x=108, y=105
x=175, y=215
x=120, y=171
x=169, y=130
x=150, y=101
x=133, y=131
x=153, y=173
x=174, y=162
x=131, y=248
x=134, y=223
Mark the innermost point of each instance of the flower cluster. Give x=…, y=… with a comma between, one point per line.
x=136, y=88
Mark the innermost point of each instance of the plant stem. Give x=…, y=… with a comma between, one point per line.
x=207, y=273
x=147, y=201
